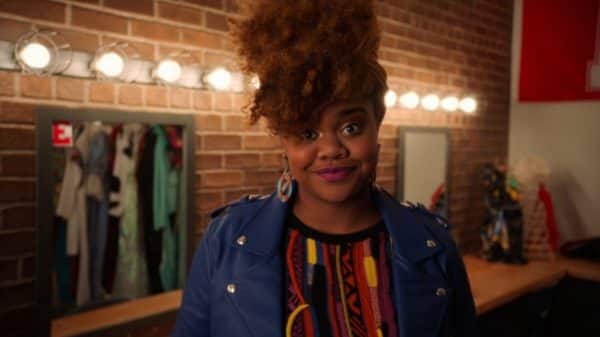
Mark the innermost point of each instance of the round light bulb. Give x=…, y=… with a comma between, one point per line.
x=169, y=71
x=409, y=100
x=35, y=55
x=468, y=105
x=449, y=103
x=110, y=64
x=255, y=82
x=390, y=98
x=430, y=102
x=219, y=79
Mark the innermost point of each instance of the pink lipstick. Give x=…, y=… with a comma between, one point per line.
x=335, y=174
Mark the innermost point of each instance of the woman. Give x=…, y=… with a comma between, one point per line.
x=329, y=253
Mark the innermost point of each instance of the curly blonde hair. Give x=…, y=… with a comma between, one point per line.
x=307, y=53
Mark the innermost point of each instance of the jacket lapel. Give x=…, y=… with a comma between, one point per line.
x=257, y=273
x=420, y=290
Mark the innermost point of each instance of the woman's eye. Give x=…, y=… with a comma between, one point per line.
x=351, y=129
x=309, y=135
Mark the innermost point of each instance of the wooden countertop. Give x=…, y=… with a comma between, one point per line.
x=493, y=284
x=117, y=314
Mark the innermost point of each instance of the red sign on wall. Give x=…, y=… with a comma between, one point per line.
x=62, y=134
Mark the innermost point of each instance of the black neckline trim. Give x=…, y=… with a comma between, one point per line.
x=295, y=223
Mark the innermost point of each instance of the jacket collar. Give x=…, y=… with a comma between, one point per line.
x=410, y=237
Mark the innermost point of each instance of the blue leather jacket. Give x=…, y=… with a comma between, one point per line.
x=235, y=282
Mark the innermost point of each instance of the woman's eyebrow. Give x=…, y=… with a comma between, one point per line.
x=352, y=110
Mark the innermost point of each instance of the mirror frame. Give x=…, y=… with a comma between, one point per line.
x=402, y=131
x=45, y=115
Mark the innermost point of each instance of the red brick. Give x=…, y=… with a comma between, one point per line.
x=208, y=161
x=180, y=13
x=218, y=4
x=181, y=98
x=231, y=6
x=221, y=179
x=216, y=21
x=239, y=101
x=223, y=101
x=8, y=270
x=212, y=59
x=234, y=195
x=237, y=123
x=17, y=243
x=144, y=50
x=144, y=7
x=19, y=113
x=201, y=39
x=99, y=21
x=102, y=92
x=254, y=178
x=36, y=86
x=130, y=94
x=261, y=142
x=18, y=217
x=70, y=89
x=271, y=160
x=16, y=138
x=209, y=122
x=242, y=160
x=12, y=29
x=208, y=201
x=18, y=165
x=155, y=31
x=202, y=100
x=156, y=95
x=79, y=41
x=17, y=190
x=36, y=9
x=222, y=142
x=7, y=83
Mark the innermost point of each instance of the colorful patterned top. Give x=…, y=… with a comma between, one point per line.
x=338, y=285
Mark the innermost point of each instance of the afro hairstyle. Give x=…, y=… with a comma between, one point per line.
x=307, y=53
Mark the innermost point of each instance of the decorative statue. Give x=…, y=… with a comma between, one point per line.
x=502, y=229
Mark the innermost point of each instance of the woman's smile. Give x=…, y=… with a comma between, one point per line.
x=336, y=174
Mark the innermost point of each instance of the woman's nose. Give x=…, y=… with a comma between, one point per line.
x=331, y=147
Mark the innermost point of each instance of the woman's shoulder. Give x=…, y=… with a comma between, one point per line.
x=226, y=219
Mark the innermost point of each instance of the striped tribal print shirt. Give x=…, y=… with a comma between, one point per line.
x=338, y=285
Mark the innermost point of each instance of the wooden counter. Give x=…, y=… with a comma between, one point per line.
x=493, y=284
x=114, y=315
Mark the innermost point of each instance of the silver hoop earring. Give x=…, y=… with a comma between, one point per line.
x=285, y=186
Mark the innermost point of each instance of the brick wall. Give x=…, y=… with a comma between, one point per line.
x=444, y=46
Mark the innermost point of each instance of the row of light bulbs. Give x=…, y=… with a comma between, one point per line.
x=430, y=102
x=43, y=53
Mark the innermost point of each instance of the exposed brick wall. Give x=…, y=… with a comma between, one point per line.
x=443, y=46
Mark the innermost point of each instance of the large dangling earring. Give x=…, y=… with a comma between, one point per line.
x=285, y=186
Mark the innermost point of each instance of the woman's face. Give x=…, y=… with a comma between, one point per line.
x=335, y=160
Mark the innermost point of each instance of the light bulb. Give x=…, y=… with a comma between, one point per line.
x=110, y=64
x=409, y=100
x=169, y=71
x=255, y=82
x=430, y=102
x=449, y=103
x=390, y=98
x=468, y=105
x=219, y=79
x=35, y=55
